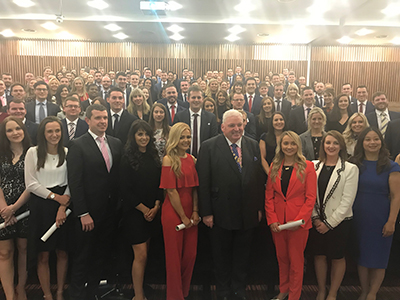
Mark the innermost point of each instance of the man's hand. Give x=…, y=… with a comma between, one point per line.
x=209, y=221
x=87, y=223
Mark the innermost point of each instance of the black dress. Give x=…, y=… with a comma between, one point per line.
x=12, y=183
x=262, y=127
x=269, y=148
x=140, y=186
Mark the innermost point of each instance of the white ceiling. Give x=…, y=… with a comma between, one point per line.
x=208, y=21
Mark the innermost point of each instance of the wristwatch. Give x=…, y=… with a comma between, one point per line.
x=52, y=196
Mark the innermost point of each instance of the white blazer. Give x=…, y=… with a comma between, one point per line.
x=339, y=195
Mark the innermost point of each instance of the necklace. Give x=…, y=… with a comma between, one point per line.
x=329, y=167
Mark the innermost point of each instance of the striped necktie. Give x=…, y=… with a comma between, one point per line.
x=71, y=132
x=384, y=123
x=235, y=153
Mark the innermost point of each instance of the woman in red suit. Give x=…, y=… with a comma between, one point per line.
x=290, y=196
x=179, y=178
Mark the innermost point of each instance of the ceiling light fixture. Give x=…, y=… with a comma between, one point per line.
x=345, y=40
x=65, y=35
x=173, y=6
x=318, y=8
x=24, y=3
x=261, y=34
x=112, y=27
x=236, y=29
x=120, y=36
x=245, y=6
x=28, y=30
x=364, y=31
x=49, y=26
x=99, y=4
x=391, y=10
x=396, y=40
x=232, y=38
x=176, y=36
x=175, y=28
x=381, y=36
x=7, y=33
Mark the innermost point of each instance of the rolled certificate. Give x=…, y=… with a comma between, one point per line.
x=182, y=226
x=19, y=217
x=291, y=225
x=53, y=228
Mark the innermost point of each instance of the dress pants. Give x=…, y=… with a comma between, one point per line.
x=290, y=246
x=231, y=251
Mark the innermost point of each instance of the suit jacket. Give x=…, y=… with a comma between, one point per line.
x=317, y=102
x=157, y=87
x=340, y=193
x=180, y=97
x=32, y=129
x=52, y=110
x=128, y=92
x=392, y=138
x=297, y=121
x=256, y=105
x=286, y=108
x=124, y=124
x=251, y=127
x=369, y=106
x=81, y=128
x=299, y=201
x=181, y=107
x=373, y=120
x=233, y=200
x=208, y=125
x=93, y=189
x=307, y=145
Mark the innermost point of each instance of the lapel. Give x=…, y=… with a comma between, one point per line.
x=96, y=151
x=246, y=157
x=226, y=152
x=309, y=143
x=335, y=177
x=203, y=126
x=292, y=182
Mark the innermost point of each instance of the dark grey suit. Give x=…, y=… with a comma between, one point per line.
x=52, y=110
x=369, y=106
x=124, y=125
x=80, y=129
x=181, y=107
x=32, y=129
x=373, y=120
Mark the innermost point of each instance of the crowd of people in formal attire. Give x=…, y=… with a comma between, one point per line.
x=92, y=152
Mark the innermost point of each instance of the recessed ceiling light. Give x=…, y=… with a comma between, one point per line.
x=175, y=28
x=24, y=3
x=245, y=6
x=396, y=40
x=392, y=10
x=65, y=35
x=112, y=27
x=382, y=36
x=232, y=38
x=7, y=33
x=99, y=4
x=29, y=30
x=49, y=26
x=176, y=36
x=364, y=31
x=345, y=40
x=120, y=36
x=172, y=5
x=236, y=29
x=262, y=34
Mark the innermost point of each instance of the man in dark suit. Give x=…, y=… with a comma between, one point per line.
x=93, y=92
x=119, y=119
x=184, y=88
x=163, y=82
x=281, y=104
x=39, y=109
x=299, y=115
x=319, y=94
x=231, y=205
x=171, y=103
x=237, y=104
x=381, y=117
x=275, y=80
x=121, y=83
x=252, y=100
x=16, y=108
x=17, y=92
x=105, y=87
x=229, y=76
x=392, y=138
x=93, y=168
x=202, y=123
x=361, y=104
x=73, y=126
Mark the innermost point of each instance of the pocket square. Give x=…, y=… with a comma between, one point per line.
x=209, y=124
x=255, y=158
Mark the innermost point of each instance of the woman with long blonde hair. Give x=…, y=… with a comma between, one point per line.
x=78, y=86
x=357, y=123
x=290, y=196
x=179, y=179
x=138, y=106
x=292, y=95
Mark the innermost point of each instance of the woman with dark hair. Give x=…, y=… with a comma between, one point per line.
x=223, y=104
x=332, y=214
x=375, y=209
x=265, y=115
x=210, y=106
x=237, y=88
x=340, y=114
x=138, y=106
x=61, y=94
x=46, y=180
x=269, y=140
x=213, y=87
x=329, y=95
x=149, y=84
x=147, y=95
x=159, y=124
x=140, y=180
x=14, y=142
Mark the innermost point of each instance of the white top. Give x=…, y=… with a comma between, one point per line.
x=38, y=182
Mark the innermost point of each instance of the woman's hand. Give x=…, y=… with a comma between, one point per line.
x=388, y=229
x=62, y=199
x=11, y=221
x=293, y=228
x=61, y=216
x=195, y=218
x=151, y=214
x=7, y=212
x=322, y=228
x=275, y=227
x=187, y=222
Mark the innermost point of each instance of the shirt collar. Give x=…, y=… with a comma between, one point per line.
x=44, y=102
x=192, y=112
x=112, y=113
x=378, y=112
x=238, y=143
x=95, y=136
x=75, y=121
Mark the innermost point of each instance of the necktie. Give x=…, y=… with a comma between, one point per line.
x=278, y=107
x=236, y=156
x=3, y=101
x=172, y=113
x=308, y=111
x=71, y=132
x=384, y=123
x=42, y=115
x=361, y=108
x=104, y=152
x=116, y=122
x=321, y=101
x=184, y=98
x=250, y=102
x=195, y=136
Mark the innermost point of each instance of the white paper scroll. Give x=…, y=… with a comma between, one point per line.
x=291, y=225
x=182, y=226
x=53, y=228
x=19, y=217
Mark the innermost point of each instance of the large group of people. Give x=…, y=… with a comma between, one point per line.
x=141, y=153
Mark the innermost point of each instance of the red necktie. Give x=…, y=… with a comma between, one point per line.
x=250, y=102
x=172, y=113
x=361, y=107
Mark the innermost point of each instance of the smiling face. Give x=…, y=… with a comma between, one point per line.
x=14, y=132
x=185, y=140
x=372, y=143
x=278, y=122
x=41, y=92
x=357, y=125
x=233, y=128
x=331, y=146
x=52, y=133
x=209, y=106
x=116, y=100
x=98, y=122
x=195, y=100
x=288, y=146
x=142, y=139
x=267, y=106
x=158, y=114
x=343, y=103
x=17, y=110
x=137, y=99
x=381, y=102
x=316, y=121
x=328, y=98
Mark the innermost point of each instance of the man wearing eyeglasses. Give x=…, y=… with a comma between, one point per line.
x=73, y=126
x=41, y=108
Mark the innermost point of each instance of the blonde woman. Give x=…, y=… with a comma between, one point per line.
x=311, y=139
x=78, y=86
x=138, y=106
x=357, y=123
x=293, y=96
x=179, y=179
x=285, y=205
x=53, y=86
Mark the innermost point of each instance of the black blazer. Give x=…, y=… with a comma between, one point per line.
x=124, y=125
x=392, y=138
x=94, y=190
x=32, y=129
x=181, y=107
x=369, y=106
x=256, y=105
x=235, y=199
x=373, y=120
x=81, y=128
x=286, y=108
x=52, y=110
x=208, y=126
x=317, y=103
x=297, y=121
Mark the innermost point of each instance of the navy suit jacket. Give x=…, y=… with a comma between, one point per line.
x=181, y=107
x=81, y=128
x=297, y=121
x=52, y=110
x=124, y=124
x=256, y=105
x=369, y=107
x=373, y=120
x=392, y=138
x=32, y=129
